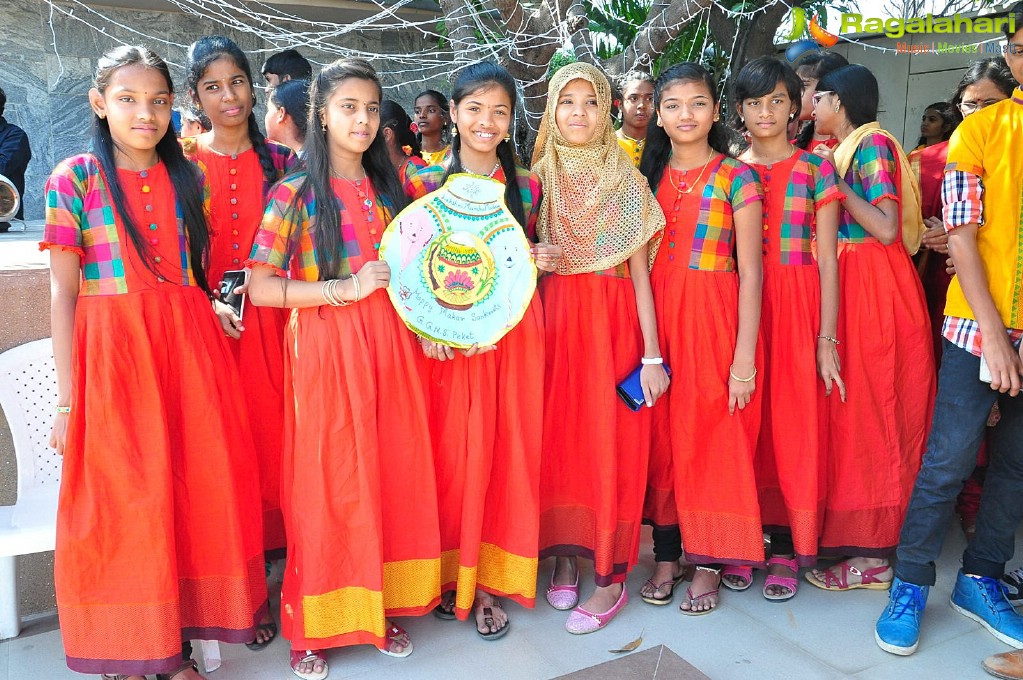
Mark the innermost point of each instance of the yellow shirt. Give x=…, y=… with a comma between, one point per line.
x=436, y=157
x=633, y=147
x=987, y=144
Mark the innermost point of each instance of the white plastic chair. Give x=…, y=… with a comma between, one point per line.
x=28, y=393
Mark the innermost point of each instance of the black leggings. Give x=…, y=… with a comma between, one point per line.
x=781, y=543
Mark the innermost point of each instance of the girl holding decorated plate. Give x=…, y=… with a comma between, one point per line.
x=600, y=324
x=358, y=481
x=487, y=402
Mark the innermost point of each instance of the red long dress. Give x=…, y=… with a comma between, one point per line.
x=701, y=459
x=486, y=415
x=593, y=469
x=237, y=197
x=877, y=438
x=158, y=533
x=357, y=483
x=790, y=466
x=929, y=165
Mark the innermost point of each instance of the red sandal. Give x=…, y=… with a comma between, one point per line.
x=833, y=581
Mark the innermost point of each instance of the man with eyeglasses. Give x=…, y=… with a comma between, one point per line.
x=983, y=214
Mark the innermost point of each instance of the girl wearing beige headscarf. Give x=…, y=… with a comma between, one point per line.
x=600, y=324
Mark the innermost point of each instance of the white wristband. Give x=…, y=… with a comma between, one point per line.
x=651, y=361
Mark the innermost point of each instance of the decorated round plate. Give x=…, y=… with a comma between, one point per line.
x=461, y=272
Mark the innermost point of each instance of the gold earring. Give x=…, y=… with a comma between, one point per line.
x=454, y=130
x=507, y=137
x=716, y=117
x=837, y=107
x=659, y=123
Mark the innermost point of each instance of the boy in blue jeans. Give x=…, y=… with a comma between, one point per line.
x=983, y=196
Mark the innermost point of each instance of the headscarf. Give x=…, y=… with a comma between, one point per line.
x=596, y=205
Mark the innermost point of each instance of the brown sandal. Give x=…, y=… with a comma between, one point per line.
x=181, y=669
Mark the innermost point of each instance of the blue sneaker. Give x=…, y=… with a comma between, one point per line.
x=983, y=600
x=898, y=628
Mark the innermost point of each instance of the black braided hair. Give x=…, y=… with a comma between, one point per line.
x=657, y=151
x=473, y=78
x=183, y=175
x=204, y=52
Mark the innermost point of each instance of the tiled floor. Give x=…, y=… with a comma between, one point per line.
x=816, y=635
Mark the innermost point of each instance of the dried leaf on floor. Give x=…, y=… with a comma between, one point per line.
x=631, y=647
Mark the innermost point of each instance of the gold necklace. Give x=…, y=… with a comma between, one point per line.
x=689, y=189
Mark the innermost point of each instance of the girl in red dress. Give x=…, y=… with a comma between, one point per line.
x=876, y=438
x=402, y=145
x=600, y=326
x=358, y=480
x=810, y=70
x=706, y=281
x=487, y=403
x=158, y=529
x=239, y=166
x=287, y=114
x=798, y=321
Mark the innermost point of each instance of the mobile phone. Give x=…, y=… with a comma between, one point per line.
x=985, y=372
x=233, y=279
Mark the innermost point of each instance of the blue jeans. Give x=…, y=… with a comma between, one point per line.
x=960, y=416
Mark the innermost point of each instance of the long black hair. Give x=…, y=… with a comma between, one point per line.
x=184, y=176
x=816, y=65
x=395, y=118
x=483, y=75
x=315, y=178
x=949, y=120
x=442, y=103
x=759, y=78
x=293, y=97
x=657, y=151
x=994, y=69
x=204, y=52
x=857, y=89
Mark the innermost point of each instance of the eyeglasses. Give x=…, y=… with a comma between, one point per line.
x=817, y=96
x=966, y=108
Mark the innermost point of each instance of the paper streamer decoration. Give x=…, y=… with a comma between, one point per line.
x=461, y=271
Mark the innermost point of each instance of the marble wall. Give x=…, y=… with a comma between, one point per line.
x=47, y=94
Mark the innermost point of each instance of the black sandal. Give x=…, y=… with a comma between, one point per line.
x=182, y=668
x=488, y=621
x=445, y=611
x=265, y=628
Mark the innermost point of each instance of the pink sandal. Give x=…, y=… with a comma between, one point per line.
x=745, y=573
x=868, y=578
x=791, y=583
x=563, y=597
